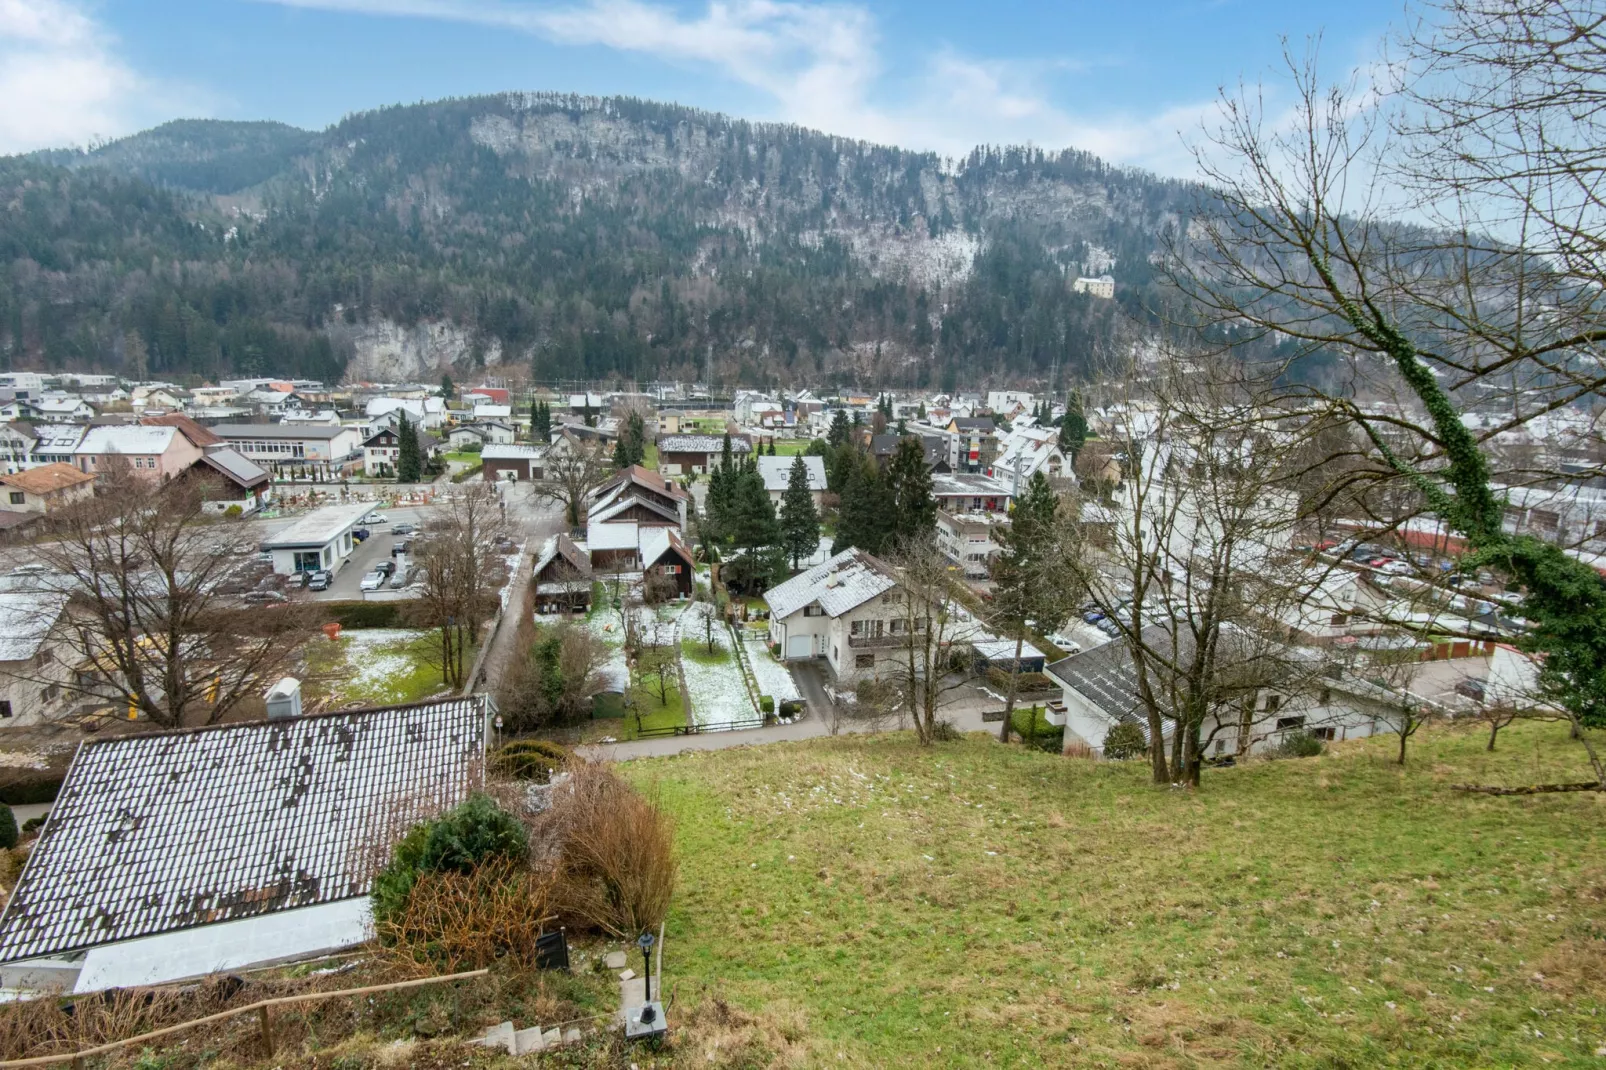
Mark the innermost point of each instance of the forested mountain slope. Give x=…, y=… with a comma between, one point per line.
x=589, y=238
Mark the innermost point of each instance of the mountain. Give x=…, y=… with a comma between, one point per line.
x=586, y=238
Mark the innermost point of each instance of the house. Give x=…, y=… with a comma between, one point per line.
x=17, y=442
x=1103, y=286
x=665, y=556
x=1009, y=402
x=428, y=412
x=159, y=396
x=289, y=449
x=883, y=447
x=485, y=433
x=777, y=475
x=36, y=653
x=42, y=489
x=62, y=410
x=840, y=612
x=962, y=493
x=756, y=410
x=970, y=540
x=173, y=855
x=157, y=453
x=972, y=443
x=697, y=454
x=638, y=495
x=496, y=394
x=512, y=461
x=239, y=480
x=491, y=410
x=1026, y=451
x=382, y=449
x=579, y=404
x=562, y=577
x=55, y=443
x=319, y=540
x=1099, y=689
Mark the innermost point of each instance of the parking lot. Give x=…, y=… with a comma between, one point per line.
x=373, y=550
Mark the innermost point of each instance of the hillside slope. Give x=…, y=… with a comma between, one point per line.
x=587, y=237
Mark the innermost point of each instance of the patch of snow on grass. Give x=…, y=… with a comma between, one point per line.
x=773, y=677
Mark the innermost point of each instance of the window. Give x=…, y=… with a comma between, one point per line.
x=1272, y=702
x=671, y=570
x=1285, y=723
x=1339, y=619
x=5, y=708
x=18, y=497
x=860, y=661
x=856, y=628
x=1324, y=696
x=1328, y=733
x=1221, y=746
x=813, y=611
x=897, y=625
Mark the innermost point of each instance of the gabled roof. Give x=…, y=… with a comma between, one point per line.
x=702, y=444
x=561, y=547
x=777, y=471
x=235, y=467
x=636, y=476
x=842, y=583
x=26, y=617
x=47, y=479
x=161, y=832
x=626, y=502
x=656, y=542
x=200, y=436
x=1105, y=675
x=127, y=439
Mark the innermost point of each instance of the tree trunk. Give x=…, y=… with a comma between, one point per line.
x=1405, y=726
x=1494, y=730
x=1014, y=685
x=1157, y=764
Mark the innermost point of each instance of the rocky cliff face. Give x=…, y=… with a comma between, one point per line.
x=384, y=351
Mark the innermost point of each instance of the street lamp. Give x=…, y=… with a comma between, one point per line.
x=645, y=942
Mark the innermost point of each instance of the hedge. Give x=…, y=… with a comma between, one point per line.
x=364, y=614
x=41, y=787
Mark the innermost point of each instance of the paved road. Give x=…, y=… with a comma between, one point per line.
x=529, y=522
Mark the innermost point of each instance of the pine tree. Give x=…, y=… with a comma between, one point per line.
x=752, y=514
x=911, y=504
x=864, y=518
x=448, y=388
x=630, y=447
x=1073, y=429
x=902, y=428
x=1028, y=584
x=800, y=522
x=588, y=414
x=408, y=463
x=541, y=421
x=921, y=412
x=839, y=430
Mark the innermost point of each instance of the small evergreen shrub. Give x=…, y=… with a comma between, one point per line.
x=944, y=732
x=8, y=828
x=791, y=708
x=766, y=703
x=234, y=512
x=32, y=825
x=1300, y=744
x=457, y=841
x=1125, y=741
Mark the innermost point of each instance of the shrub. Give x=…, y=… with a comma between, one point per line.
x=460, y=839
x=615, y=851
x=791, y=707
x=453, y=921
x=234, y=512
x=766, y=703
x=775, y=648
x=531, y=759
x=31, y=786
x=1124, y=741
x=1298, y=744
x=32, y=825
x=945, y=732
x=8, y=828
x=364, y=614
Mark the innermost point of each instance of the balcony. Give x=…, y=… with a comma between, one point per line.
x=863, y=642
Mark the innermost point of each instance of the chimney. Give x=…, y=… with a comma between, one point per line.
x=284, y=699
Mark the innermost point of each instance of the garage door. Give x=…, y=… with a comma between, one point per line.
x=799, y=646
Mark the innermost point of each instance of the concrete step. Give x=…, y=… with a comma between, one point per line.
x=498, y=1036
x=528, y=1040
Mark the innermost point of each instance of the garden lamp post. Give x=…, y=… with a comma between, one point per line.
x=645, y=942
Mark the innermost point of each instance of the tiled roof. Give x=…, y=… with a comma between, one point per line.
x=127, y=439
x=47, y=479
x=702, y=444
x=1105, y=675
x=201, y=436
x=561, y=546
x=840, y=584
x=156, y=833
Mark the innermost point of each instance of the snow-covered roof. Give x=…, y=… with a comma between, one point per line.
x=967, y=485
x=777, y=471
x=840, y=584
x=127, y=438
x=26, y=617
x=656, y=542
x=702, y=444
x=619, y=535
x=509, y=451
x=168, y=831
x=319, y=527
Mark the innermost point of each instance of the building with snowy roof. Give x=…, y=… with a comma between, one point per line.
x=177, y=854
x=845, y=612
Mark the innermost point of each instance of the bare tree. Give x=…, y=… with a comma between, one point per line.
x=554, y=680
x=462, y=572
x=570, y=471
x=1432, y=342
x=927, y=621
x=141, y=567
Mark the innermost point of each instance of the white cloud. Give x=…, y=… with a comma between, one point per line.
x=820, y=65
x=61, y=79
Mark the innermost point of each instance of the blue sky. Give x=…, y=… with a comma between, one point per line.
x=1120, y=79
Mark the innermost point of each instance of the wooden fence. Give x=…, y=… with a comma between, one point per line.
x=262, y=1009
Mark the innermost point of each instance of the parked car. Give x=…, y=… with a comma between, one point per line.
x=399, y=580
x=360, y=534
x=373, y=581
x=1108, y=627
x=401, y=547
x=404, y=529
x=376, y=518
x=320, y=580
x=1065, y=643
x=385, y=568
x=1397, y=568
x=261, y=598
x=1093, y=617
x=1472, y=689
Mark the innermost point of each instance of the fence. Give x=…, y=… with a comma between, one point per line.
x=262, y=1009
x=699, y=729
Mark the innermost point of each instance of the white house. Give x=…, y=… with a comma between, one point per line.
x=777, y=474
x=173, y=855
x=62, y=410
x=36, y=656
x=321, y=539
x=428, y=413
x=1103, y=286
x=1026, y=451
x=1009, y=402
x=970, y=540
x=291, y=447
x=844, y=612
x=490, y=410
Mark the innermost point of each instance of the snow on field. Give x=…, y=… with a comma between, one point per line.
x=378, y=657
x=616, y=669
x=773, y=677
x=717, y=691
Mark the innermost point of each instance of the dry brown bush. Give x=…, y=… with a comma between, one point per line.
x=467, y=921
x=1078, y=749
x=613, y=853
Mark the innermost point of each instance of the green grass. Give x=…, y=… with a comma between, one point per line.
x=404, y=668
x=462, y=456
x=654, y=714
x=697, y=650
x=649, y=457
x=873, y=903
x=791, y=447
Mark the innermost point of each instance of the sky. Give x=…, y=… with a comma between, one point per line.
x=1132, y=82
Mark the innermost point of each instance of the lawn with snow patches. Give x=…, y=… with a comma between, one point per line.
x=377, y=666
x=773, y=677
x=713, y=681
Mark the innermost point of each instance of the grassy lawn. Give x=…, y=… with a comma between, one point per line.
x=697, y=650
x=644, y=699
x=376, y=666
x=791, y=447
x=462, y=456
x=875, y=903
x=650, y=456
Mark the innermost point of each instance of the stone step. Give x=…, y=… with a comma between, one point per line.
x=498, y=1036
x=528, y=1040
x=552, y=1038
